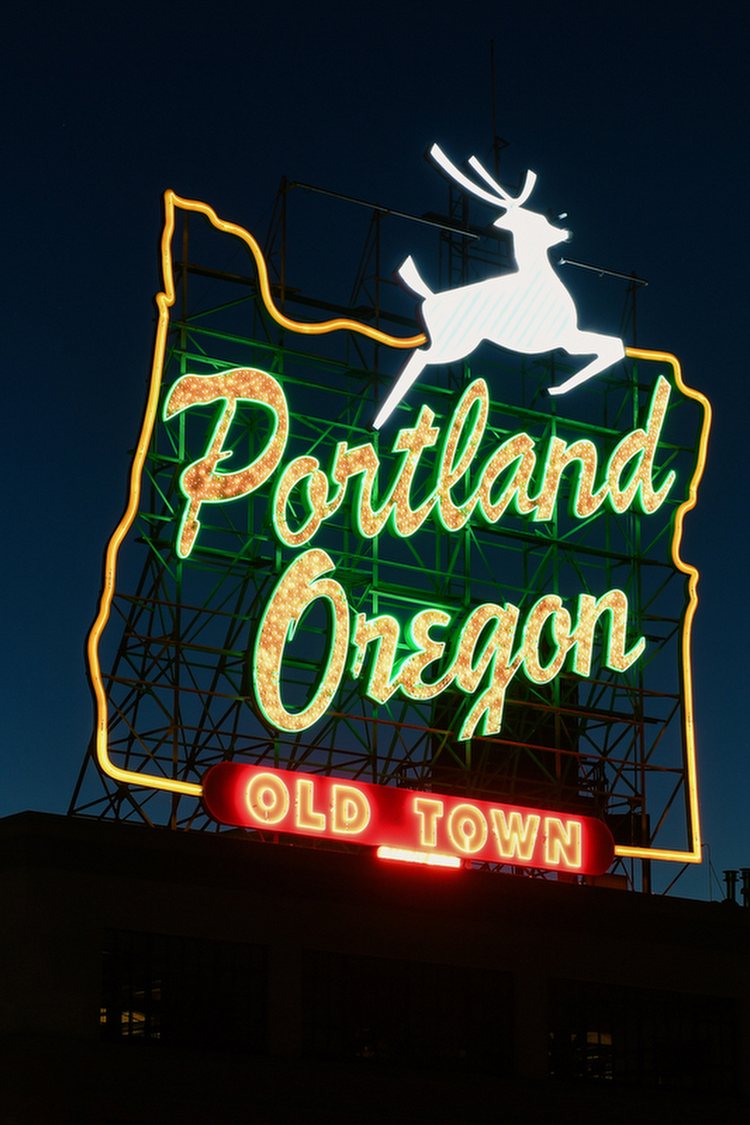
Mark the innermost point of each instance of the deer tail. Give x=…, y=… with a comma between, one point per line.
x=411, y=276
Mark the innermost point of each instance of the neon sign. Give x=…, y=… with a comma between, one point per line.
x=492, y=643
x=423, y=827
x=446, y=469
x=504, y=480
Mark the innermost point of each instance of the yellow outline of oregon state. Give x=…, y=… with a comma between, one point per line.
x=164, y=302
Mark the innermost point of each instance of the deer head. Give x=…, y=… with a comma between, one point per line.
x=528, y=225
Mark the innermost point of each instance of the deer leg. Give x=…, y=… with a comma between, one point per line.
x=414, y=368
x=607, y=349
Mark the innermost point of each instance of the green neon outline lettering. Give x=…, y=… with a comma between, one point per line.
x=321, y=564
x=637, y=499
x=629, y=656
x=476, y=417
x=189, y=526
x=513, y=501
x=522, y=649
x=419, y=650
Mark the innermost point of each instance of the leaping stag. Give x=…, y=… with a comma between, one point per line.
x=529, y=311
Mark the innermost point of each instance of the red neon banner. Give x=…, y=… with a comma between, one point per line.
x=426, y=823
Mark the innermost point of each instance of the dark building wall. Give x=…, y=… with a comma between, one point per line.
x=287, y=983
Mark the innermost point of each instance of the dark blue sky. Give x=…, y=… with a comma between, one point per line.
x=635, y=118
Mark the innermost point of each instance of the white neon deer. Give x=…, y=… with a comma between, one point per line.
x=529, y=311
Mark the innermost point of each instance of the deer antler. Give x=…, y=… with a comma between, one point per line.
x=498, y=196
x=456, y=174
x=519, y=200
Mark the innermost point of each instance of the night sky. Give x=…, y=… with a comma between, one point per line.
x=634, y=116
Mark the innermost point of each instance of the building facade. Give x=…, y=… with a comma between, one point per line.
x=158, y=977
